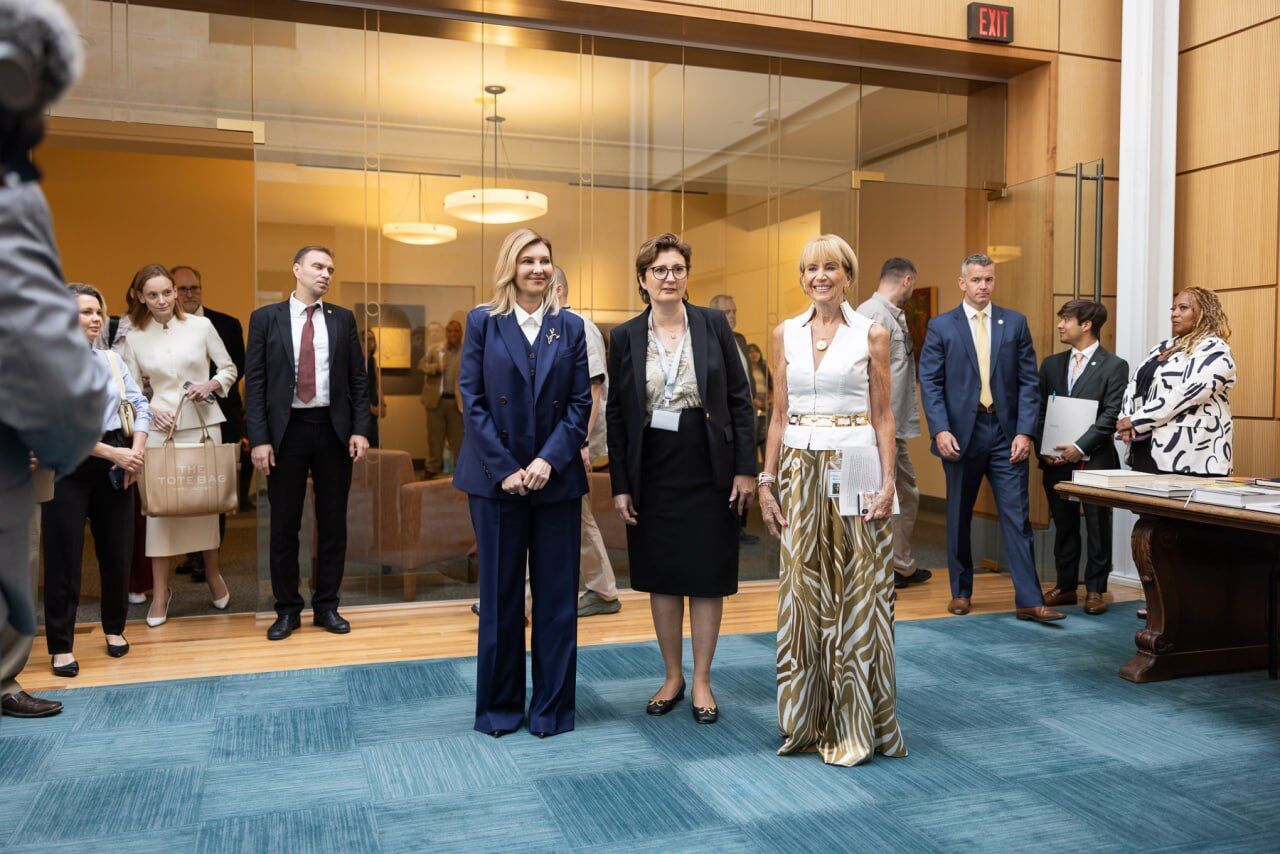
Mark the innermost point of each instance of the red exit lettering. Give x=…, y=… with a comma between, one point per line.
x=990, y=23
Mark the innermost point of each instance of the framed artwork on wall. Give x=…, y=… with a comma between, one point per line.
x=920, y=309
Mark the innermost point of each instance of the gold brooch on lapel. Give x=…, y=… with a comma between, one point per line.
x=552, y=335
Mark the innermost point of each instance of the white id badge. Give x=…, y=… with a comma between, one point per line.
x=666, y=419
x=833, y=483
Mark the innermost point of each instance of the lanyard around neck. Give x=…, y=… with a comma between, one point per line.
x=670, y=361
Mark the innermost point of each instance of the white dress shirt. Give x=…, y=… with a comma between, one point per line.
x=320, y=340
x=971, y=313
x=530, y=324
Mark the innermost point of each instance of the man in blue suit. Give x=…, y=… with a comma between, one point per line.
x=981, y=397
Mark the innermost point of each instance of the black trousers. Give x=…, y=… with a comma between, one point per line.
x=1066, y=539
x=86, y=493
x=310, y=447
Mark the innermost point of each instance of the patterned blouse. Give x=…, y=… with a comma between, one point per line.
x=655, y=386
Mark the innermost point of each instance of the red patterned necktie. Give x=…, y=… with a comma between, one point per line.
x=307, y=358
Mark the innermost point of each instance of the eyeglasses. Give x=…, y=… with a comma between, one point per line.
x=189, y=289
x=679, y=272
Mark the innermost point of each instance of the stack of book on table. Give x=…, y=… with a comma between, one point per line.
x=1246, y=493
x=1166, y=486
x=1109, y=478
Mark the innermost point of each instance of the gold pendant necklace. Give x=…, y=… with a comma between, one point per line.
x=821, y=345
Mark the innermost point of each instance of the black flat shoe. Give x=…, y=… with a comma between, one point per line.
x=657, y=708
x=331, y=622
x=283, y=627
x=118, y=651
x=68, y=670
x=706, y=716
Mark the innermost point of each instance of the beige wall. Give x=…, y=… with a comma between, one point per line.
x=1228, y=198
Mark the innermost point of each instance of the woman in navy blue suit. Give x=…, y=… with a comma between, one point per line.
x=526, y=398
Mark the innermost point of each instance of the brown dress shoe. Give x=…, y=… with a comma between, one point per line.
x=1095, y=604
x=959, y=606
x=1058, y=597
x=1040, y=614
x=23, y=705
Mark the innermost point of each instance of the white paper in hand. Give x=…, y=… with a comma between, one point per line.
x=1066, y=419
x=860, y=480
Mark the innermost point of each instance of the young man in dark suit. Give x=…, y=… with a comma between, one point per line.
x=978, y=386
x=1090, y=372
x=308, y=415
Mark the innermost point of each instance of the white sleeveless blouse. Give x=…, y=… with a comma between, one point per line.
x=837, y=387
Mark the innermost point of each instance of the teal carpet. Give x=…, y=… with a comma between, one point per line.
x=1021, y=737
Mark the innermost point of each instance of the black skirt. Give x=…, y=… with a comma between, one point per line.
x=686, y=539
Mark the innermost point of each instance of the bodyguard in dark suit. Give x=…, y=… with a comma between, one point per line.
x=526, y=398
x=981, y=398
x=1090, y=372
x=308, y=415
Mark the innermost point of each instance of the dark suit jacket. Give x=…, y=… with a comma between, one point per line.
x=722, y=385
x=1103, y=379
x=949, y=381
x=232, y=335
x=270, y=376
x=512, y=418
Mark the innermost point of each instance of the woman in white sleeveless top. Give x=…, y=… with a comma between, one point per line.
x=836, y=693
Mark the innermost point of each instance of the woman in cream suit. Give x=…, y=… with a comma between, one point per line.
x=171, y=348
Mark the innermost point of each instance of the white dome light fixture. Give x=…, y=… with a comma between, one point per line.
x=495, y=205
x=417, y=232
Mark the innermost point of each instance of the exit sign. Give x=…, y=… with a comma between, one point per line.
x=989, y=23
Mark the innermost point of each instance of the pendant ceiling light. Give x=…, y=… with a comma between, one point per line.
x=418, y=232
x=493, y=205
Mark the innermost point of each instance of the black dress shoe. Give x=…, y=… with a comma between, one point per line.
x=283, y=627
x=706, y=715
x=67, y=670
x=920, y=576
x=657, y=708
x=23, y=705
x=331, y=622
x=118, y=651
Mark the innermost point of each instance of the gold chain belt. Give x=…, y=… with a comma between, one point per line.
x=857, y=419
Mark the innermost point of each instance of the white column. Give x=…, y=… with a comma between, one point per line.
x=1148, y=146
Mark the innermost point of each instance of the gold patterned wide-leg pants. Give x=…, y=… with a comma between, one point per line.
x=836, y=692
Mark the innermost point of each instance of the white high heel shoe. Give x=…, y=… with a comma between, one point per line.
x=220, y=604
x=153, y=622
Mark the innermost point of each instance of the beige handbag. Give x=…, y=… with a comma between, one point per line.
x=189, y=481
x=127, y=411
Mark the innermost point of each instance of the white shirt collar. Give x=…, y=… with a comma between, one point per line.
x=522, y=316
x=298, y=307
x=1087, y=352
x=971, y=312
x=846, y=312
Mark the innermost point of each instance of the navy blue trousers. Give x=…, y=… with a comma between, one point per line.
x=988, y=456
x=547, y=537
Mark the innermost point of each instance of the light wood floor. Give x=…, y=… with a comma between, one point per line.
x=220, y=645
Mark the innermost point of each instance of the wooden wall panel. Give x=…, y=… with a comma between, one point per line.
x=1091, y=27
x=1035, y=22
x=1225, y=225
x=1252, y=314
x=1200, y=21
x=1257, y=447
x=1229, y=98
x=1031, y=126
x=1088, y=112
x=780, y=8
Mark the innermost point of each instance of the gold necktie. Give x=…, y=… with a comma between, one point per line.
x=983, y=345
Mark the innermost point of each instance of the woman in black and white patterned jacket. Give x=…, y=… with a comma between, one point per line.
x=1176, y=417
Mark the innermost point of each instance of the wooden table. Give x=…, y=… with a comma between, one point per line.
x=1210, y=576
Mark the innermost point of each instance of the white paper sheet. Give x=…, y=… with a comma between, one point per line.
x=860, y=479
x=1066, y=419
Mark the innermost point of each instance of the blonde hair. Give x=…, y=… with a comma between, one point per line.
x=1211, y=322
x=504, y=273
x=830, y=247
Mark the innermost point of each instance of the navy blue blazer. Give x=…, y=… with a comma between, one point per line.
x=949, y=381
x=513, y=418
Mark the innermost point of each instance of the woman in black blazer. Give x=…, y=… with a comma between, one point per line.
x=682, y=462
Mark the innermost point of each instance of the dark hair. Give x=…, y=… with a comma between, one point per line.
x=139, y=314
x=302, y=253
x=651, y=249
x=1086, y=311
x=199, y=279
x=897, y=268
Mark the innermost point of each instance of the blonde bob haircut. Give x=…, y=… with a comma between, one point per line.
x=504, y=273
x=830, y=247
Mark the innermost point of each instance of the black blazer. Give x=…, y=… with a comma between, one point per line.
x=1103, y=379
x=269, y=375
x=232, y=335
x=722, y=385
